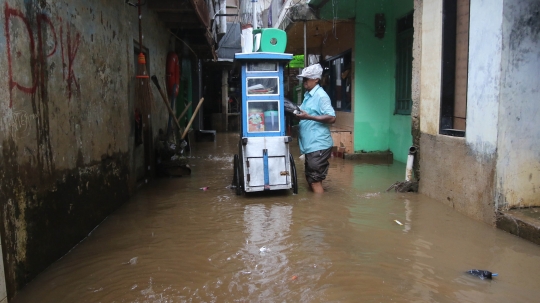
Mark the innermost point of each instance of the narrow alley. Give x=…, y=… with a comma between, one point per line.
x=176, y=242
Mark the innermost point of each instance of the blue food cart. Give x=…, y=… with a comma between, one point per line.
x=263, y=161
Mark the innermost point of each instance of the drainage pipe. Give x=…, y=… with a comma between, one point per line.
x=410, y=161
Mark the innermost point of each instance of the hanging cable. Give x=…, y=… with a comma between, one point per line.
x=135, y=4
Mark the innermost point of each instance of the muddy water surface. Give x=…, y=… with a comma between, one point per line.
x=174, y=242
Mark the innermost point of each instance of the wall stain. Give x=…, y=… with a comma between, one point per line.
x=526, y=27
x=45, y=214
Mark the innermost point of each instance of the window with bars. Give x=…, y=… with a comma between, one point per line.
x=404, y=58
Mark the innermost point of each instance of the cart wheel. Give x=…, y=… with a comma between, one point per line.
x=236, y=178
x=294, y=177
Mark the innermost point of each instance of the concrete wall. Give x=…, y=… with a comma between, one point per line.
x=67, y=123
x=416, y=83
x=3, y=291
x=459, y=172
x=430, y=71
x=496, y=165
x=518, y=144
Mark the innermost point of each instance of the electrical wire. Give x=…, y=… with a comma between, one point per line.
x=135, y=5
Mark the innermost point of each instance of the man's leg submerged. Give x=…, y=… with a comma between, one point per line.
x=316, y=168
x=317, y=187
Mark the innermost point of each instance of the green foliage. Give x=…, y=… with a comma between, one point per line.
x=297, y=61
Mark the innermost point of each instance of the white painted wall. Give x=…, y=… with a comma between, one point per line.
x=430, y=79
x=485, y=51
x=518, y=164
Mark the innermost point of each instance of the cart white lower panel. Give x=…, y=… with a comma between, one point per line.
x=276, y=173
x=261, y=188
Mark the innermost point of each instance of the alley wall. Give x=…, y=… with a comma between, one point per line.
x=457, y=171
x=3, y=291
x=67, y=122
x=518, y=164
x=496, y=165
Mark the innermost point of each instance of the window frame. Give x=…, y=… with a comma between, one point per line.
x=404, y=58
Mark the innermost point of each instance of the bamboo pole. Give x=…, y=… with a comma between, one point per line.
x=184, y=112
x=155, y=80
x=192, y=118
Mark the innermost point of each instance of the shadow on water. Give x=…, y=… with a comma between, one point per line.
x=174, y=242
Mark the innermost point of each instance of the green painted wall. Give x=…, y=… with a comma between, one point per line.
x=376, y=128
x=400, y=137
x=374, y=78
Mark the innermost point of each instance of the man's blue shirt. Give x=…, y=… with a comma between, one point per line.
x=315, y=135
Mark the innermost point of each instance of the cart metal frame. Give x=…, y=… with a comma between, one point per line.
x=263, y=161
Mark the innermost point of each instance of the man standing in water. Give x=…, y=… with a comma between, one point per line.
x=314, y=128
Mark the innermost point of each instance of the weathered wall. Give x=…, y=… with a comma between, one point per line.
x=451, y=174
x=66, y=129
x=430, y=72
x=483, y=88
x=518, y=165
x=3, y=291
x=461, y=171
x=415, y=84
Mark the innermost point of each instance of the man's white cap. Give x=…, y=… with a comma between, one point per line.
x=311, y=72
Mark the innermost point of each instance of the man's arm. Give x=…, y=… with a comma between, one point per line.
x=322, y=119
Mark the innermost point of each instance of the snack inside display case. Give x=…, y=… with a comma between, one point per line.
x=263, y=116
x=263, y=86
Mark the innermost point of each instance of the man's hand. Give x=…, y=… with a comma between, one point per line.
x=302, y=115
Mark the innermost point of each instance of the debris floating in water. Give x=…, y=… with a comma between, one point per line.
x=404, y=186
x=398, y=222
x=294, y=278
x=482, y=274
x=204, y=188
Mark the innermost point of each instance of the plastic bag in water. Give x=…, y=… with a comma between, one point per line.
x=482, y=274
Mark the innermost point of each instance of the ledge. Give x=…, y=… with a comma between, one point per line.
x=524, y=223
x=385, y=157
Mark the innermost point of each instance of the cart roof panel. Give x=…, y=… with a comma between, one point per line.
x=264, y=56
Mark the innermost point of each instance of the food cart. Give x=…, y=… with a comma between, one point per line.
x=263, y=161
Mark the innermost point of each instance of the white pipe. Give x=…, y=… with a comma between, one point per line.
x=410, y=161
x=223, y=19
x=254, y=17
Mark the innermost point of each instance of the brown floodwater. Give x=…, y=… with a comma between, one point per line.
x=173, y=242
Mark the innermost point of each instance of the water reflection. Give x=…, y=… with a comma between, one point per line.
x=265, y=250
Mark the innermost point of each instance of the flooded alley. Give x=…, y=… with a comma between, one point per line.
x=174, y=242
